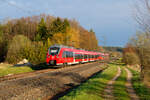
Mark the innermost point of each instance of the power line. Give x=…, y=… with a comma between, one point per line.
x=18, y=7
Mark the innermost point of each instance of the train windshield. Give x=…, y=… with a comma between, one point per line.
x=54, y=51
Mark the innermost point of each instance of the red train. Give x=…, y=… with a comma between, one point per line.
x=63, y=55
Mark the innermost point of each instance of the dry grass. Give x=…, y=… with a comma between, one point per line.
x=4, y=65
x=8, y=69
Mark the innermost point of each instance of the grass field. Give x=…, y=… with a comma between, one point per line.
x=142, y=91
x=6, y=69
x=94, y=87
x=120, y=92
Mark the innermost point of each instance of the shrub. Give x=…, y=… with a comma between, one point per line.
x=17, y=49
x=22, y=48
x=131, y=58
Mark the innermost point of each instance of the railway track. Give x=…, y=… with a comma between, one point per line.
x=47, y=84
x=30, y=74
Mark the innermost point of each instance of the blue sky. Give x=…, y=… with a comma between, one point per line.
x=111, y=19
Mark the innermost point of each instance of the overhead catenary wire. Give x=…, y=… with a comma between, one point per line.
x=13, y=4
x=20, y=7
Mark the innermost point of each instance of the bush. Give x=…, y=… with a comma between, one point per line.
x=131, y=58
x=22, y=48
x=37, y=53
x=17, y=49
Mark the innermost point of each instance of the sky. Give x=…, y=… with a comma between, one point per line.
x=111, y=20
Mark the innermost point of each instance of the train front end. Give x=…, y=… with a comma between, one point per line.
x=52, y=55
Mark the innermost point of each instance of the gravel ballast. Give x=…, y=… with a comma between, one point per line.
x=46, y=85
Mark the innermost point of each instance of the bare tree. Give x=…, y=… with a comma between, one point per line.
x=142, y=14
x=141, y=42
x=142, y=39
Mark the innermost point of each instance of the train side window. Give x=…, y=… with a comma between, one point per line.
x=71, y=54
x=96, y=56
x=84, y=56
x=64, y=54
x=76, y=56
x=80, y=56
x=67, y=54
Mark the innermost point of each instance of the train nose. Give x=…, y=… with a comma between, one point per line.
x=53, y=57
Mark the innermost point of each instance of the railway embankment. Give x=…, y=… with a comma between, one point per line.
x=47, y=85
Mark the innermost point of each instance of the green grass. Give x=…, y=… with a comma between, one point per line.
x=8, y=69
x=120, y=92
x=94, y=87
x=142, y=91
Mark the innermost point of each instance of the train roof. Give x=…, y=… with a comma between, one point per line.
x=79, y=50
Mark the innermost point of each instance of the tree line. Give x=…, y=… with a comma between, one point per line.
x=30, y=37
x=113, y=49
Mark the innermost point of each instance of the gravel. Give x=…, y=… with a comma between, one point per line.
x=46, y=85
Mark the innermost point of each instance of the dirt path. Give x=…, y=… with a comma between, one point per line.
x=130, y=89
x=108, y=91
